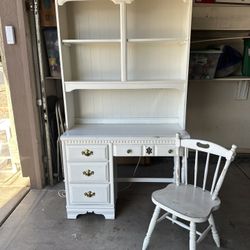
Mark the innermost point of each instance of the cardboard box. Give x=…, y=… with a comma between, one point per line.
x=47, y=13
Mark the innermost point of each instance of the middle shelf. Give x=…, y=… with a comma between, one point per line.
x=129, y=40
x=163, y=84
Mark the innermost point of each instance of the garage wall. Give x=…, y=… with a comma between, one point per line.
x=213, y=112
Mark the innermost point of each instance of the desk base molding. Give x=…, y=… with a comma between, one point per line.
x=108, y=213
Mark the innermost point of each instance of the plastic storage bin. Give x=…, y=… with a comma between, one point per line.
x=203, y=64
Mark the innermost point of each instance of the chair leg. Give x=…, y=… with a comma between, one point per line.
x=215, y=234
x=192, y=236
x=151, y=227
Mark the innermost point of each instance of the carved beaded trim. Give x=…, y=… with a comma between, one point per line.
x=119, y=141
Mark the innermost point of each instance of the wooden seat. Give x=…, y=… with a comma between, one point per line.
x=190, y=202
x=186, y=201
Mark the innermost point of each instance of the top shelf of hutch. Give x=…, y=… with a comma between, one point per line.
x=62, y=2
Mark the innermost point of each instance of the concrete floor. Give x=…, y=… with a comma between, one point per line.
x=39, y=222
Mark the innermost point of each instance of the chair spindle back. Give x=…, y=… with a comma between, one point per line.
x=207, y=148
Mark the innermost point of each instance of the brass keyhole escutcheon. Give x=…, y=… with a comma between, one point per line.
x=88, y=172
x=89, y=194
x=87, y=152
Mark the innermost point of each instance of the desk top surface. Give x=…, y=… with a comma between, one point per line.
x=125, y=130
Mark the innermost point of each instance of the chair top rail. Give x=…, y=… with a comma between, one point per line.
x=208, y=147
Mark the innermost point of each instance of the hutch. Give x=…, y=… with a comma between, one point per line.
x=124, y=70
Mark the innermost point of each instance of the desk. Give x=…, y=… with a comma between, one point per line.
x=88, y=152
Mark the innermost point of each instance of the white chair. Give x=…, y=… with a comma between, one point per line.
x=188, y=202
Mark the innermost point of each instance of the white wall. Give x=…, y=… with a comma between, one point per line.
x=213, y=113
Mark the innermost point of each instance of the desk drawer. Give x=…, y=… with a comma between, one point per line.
x=89, y=193
x=87, y=172
x=165, y=150
x=127, y=150
x=87, y=152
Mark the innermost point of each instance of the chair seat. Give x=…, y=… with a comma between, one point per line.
x=186, y=202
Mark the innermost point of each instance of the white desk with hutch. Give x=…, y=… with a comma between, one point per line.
x=124, y=73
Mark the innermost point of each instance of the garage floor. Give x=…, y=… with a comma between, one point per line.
x=39, y=222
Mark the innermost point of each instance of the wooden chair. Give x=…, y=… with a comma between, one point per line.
x=188, y=202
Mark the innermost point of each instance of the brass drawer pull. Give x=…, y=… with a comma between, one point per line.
x=87, y=152
x=88, y=173
x=89, y=194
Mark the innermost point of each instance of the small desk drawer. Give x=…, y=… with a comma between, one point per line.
x=127, y=150
x=165, y=150
x=89, y=193
x=87, y=152
x=87, y=172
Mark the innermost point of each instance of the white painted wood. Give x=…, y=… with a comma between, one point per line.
x=215, y=234
x=157, y=40
x=124, y=73
x=74, y=211
x=100, y=192
x=207, y=147
x=93, y=20
x=61, y=2
x=88, y=172
x=83, y=41
x=125, y=133
x=151, y=227
x=186, y=165
x=169, y=120
x=205, y=172
x=120, y=104
x=196, y=167
x=204, y=234
x=183, y=225
x=165, y=150
x=147, y=18
x=123, y=35
x=144, y=63
x=166, y=84
x=122, y=1
x=127, y=150
x=216, y=174
x=77, y=153
x=186, y=202
x=68, y=122
x=192, y=236
x=95, y=66
x=112, y=172
x=189, y=202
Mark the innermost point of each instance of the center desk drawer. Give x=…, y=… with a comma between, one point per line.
x=127, y=150
x=86, y=193
x=92, y=171
x=87, y=152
